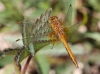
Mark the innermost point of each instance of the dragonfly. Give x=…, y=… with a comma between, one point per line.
x=59, y=31
x=47, y=30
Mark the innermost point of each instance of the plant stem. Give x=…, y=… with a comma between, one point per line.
x=17, y=66
x=26, y=65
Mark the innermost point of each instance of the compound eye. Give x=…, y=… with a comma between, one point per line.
x=52, y=18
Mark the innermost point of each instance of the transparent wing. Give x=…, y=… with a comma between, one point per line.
x=72, y=30
x=68, y=17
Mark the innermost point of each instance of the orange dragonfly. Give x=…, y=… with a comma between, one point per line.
x=47, y=30
x=59, y=32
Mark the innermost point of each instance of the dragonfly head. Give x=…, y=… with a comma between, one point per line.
x=52, y=19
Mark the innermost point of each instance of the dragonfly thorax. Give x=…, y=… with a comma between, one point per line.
x=56, y=25
x=53, y=19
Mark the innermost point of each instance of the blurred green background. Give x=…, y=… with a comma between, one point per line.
x=85, y=45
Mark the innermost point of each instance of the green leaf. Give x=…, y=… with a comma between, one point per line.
x=21, y=55
x=4, y=60
x=27, y=33
x=43, y=64
x=93, y=35
x=59, y=50
x=61, y=69
x=32, y=33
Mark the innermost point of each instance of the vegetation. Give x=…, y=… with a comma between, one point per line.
x=85, y=44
